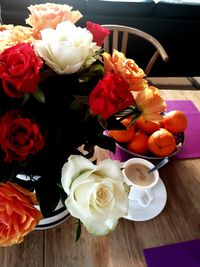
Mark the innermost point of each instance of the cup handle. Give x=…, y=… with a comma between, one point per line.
x=146, y=198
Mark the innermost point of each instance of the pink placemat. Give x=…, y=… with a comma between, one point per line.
x=191, y=148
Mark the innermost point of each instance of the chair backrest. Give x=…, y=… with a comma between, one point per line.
x=114, y=39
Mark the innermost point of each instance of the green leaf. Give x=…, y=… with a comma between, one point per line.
x=39, y=95
x=132, y=110
x=25, y=98
x=114, y=122
x=92, y=71
x=78, y=230
x=97, y=68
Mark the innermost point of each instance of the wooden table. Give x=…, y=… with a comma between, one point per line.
x=179, y=221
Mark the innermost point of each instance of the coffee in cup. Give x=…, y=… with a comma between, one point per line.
x=139, y=174
x=136, y=174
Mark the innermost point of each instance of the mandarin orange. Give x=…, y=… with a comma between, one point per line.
x=175, y=121
x=146, y=126
x=139, y=143
x=123, y=136
x=162, y=143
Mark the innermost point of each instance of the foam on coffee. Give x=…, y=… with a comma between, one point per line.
x=139, y=175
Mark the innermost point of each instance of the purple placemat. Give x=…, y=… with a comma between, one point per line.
x=186, y=254
x=184, y=105
x=191, y=148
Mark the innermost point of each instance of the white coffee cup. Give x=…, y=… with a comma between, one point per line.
x=135, y=171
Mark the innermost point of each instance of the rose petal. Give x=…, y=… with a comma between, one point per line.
x=72, y=169
x=100, y=229
x=109, y=168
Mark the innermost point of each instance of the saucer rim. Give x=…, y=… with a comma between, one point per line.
x=157, y=212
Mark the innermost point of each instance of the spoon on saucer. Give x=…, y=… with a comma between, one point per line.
x=159, y=165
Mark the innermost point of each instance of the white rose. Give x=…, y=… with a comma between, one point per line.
x=96, y=193
x=66, y=48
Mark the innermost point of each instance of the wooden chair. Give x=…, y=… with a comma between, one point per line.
x=114, y=42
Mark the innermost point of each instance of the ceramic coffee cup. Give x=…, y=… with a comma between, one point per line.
x=136, y=174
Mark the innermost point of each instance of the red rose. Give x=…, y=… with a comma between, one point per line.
x=99, y=33
x=19, y=136
x=110, y=95
x=19, y=70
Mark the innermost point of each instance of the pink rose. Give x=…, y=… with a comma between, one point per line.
x=19, y=70
x=99, y=33
x=49, y=15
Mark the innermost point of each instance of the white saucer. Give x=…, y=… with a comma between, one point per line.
x=138, y=213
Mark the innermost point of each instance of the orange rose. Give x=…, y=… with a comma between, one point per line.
x=11, y=35
x=49, y=15
x=18, y=216
x=126, y=68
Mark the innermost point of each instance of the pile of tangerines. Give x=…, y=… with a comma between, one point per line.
x=145, y=137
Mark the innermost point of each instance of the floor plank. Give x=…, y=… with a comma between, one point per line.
x=27, y=254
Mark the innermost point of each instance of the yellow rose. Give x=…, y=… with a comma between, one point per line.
x=18, y=216
x=11, y=35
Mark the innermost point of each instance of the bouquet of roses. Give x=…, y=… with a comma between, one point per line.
x=57, y=89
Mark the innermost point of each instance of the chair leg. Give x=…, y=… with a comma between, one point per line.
x=151, y=62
